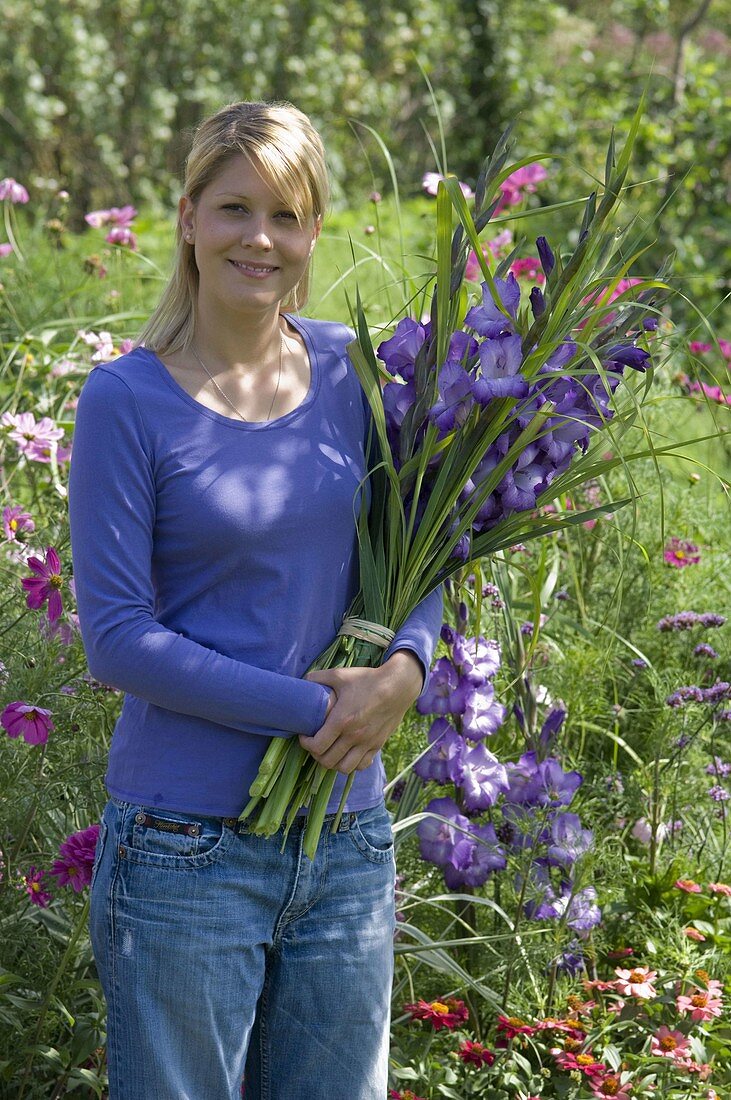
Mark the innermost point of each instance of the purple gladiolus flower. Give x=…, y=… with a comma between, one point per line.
x=500, y=360
x=571, y=961
x=482, y=714
x=629, y=356
x=401, y=350
x=583, y=913
x=456, y=399
x=442, y=762
x=485, y=856
x=569, y=840
x=559, y=357
x=522, y=777
x=537, y=302
x=462, y=347
x=547, y=258
x=488, y=319
x=445, y=842
x=552, y=724
x=554, y=785
x=446, y=692
x=476, y=658
x=482, y=778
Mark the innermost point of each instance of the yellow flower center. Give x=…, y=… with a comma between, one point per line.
x=31, y=715
x=610, y=1086
x=637, y=976
x=584, y=1059
x=680, y=553
x=439, y=1007
x=55, y=580
x=699, y=1000
x=668, y=1042
x=13, y=525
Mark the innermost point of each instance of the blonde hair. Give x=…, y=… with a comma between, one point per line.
x=290, y=150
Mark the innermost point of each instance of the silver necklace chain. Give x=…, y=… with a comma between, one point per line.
x=227, y=398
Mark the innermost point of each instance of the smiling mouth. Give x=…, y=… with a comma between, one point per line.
x=253, y=269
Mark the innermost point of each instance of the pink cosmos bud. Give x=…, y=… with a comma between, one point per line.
x=12, y=190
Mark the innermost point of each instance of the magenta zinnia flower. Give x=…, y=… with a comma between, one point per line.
x=77, y=858
x=680, y=552
x=45, y=585
x=449, y=1013
x=33, y=723
x=667, y=1043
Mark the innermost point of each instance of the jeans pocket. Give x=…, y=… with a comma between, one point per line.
x=99, y=850
x=171, y=838
x=372, y=834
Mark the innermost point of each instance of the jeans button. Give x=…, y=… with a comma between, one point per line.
x=140, y=818
x=194, y=830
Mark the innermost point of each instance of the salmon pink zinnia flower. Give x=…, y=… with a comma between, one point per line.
x=667, y=1043
x=701, y=1004
x=611, y=1086
x=636, y=983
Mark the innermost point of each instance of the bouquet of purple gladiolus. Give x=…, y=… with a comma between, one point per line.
x=482, y=414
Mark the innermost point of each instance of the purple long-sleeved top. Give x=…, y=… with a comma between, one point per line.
x=214, y=559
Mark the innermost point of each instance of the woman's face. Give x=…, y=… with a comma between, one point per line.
x=249, y=247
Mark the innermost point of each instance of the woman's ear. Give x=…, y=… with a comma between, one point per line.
x=186, y=217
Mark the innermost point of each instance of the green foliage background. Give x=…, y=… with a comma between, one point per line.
x=100, y=96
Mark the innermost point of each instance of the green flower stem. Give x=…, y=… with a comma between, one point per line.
x=60, y=970
x=316, y=816
x=270, y=765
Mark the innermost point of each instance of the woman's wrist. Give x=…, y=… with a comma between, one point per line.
x=407, y=672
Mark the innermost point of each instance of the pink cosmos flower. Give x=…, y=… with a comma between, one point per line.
x=12, y=190
x=528, y=268
x=33, y=723
x=430, y=183
x=694, y=934
x=28, y=434
x=122, y=235
x=701, y=1004
x=520, y=183
x=45, y=585
x=688, y=886
x=77, y=858
x=126, y=346
x=15, y=521
x=473, y=272
x=720, y=888
x=667, y=1043
x=713, y=393
x=33, y=883
x=101, y=342
x=681, y=552
x=5, y=249
x=117, y=215
x=636, y=983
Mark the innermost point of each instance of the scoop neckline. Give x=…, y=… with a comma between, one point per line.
x=253, y=425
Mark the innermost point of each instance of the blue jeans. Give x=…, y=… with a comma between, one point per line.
x=223, y=959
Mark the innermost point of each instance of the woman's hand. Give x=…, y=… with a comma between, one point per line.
x=368, y=706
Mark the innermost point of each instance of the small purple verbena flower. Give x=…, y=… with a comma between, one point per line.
x=718, y=768
x=682, y=695
x=638, y=662
x=717, y=693
x=719, y=793
x=686, y=620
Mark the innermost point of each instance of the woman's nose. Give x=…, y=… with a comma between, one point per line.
x=257, y=233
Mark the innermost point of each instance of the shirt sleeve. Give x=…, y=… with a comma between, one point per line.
x=420, y=632
x=112, y=507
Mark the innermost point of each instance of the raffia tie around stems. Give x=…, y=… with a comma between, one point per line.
x=367, y=631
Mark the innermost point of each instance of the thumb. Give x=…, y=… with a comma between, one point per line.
x=326, y=676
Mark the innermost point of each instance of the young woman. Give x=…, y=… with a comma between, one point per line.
x=215, y=483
